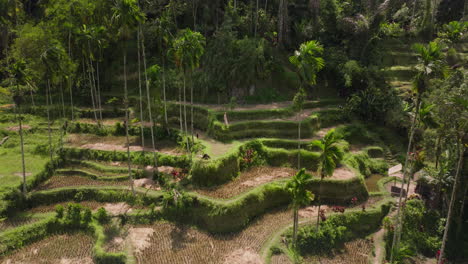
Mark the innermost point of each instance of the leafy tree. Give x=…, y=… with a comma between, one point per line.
x=308, y=62
x=51, y=58
x=126, y=15
x=297, y=187
x=330, y=157
x=430, y=65
x=454, y=31
x=187, y=50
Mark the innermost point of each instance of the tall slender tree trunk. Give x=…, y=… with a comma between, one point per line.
x=295, y=225
x=23, y=163
x=99, y=90
x=282, y=22
x=319, y=203
x=299, y=143
x=126, y=121
x=62, y=99
x=452, y=201
x=181, y=119
x=398, y=224
x=69, y=78
x=142, y=127
x=185, y=116
x=150, y=114
x=439, y=137
x=266, y=7
x=256, y=20
x=32, y=97
x=191, y=106
x=194, y=14
x=71, y=98
x=48, y=120
x=185, y=106
x=164, y=90
x=91, y=89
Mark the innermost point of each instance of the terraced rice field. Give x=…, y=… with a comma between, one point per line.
x=18, y=221
x=63, y=249
x=248, y=180
x=356, y=252
x=69, y=181
x=182, y=244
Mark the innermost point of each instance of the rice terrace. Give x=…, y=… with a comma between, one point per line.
x=234, y=131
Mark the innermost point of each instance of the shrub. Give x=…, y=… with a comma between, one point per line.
x=338, y=229
x=101, y=216
x=59, y=210
x=218, y=171
x=327, y=238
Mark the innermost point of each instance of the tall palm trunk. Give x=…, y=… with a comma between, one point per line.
x=69, y=79
x=32, y=97
x=185, y=116
x=185, y=106
x=319, y=203
x=439, y=138
x=164, y=89
x=150, y=114
x=256, y=20
x=99, y=90
x=142, y=127
x=295, y=225
x=398, y=224
x=191, y=106
x=62, y=99
x=452, y=200
x=181, y=119
x=71, y=98
x=91, y=89
x=299, y=143
x=126, y=120
x=23, y=164
x=48, y=120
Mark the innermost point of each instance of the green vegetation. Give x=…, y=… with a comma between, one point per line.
x=225, y=120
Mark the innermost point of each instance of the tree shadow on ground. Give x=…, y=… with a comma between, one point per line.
x=180, y=237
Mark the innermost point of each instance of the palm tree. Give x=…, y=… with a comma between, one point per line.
x=461, y=150
x=188, y=49
x=298, y=104
x=163, y=31
x=155, y=68
x=430, y=65
x=297, y=187
x=51, y=58
x=86, y=37
x=330, y=156
x=126, y=15
x=140, y=95
x=308, y=63
x=17, y=71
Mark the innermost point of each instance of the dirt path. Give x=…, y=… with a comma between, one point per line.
x=378, y=238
